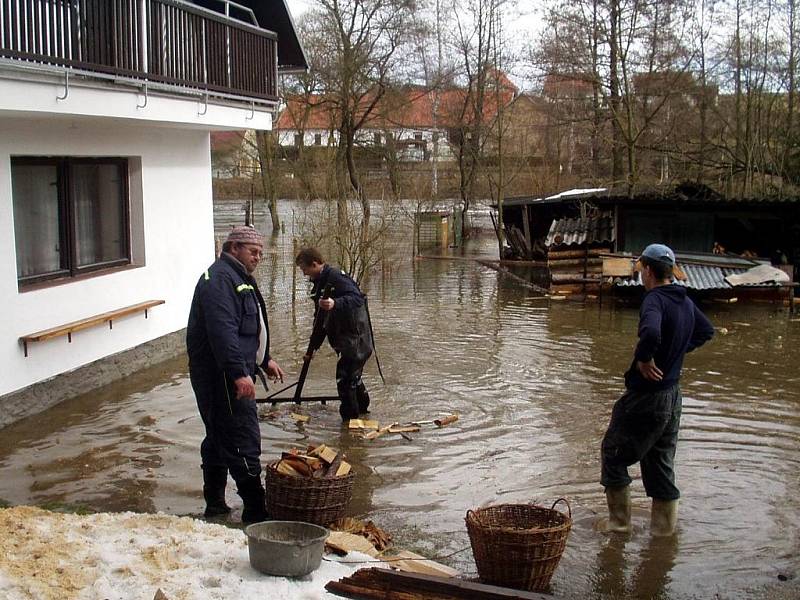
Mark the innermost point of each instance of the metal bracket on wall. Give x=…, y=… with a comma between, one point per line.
x=252, y=111
x=205, y=106
x=66, y=87
x=146, y=98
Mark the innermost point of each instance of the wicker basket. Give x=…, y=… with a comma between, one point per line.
x=318, y=501
x=518, y=545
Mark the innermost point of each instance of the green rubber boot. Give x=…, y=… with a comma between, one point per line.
x=619, y=510
x=663, y=517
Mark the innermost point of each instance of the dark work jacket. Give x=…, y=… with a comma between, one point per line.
x=347, y=325
x=223, y=330
x=670, y=325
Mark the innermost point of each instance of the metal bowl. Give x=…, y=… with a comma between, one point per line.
x=285, y=548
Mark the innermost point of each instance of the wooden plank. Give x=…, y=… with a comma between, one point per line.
x=617, y=267
x=106, y=317
x=557, y=254
x=342, y=541
x=376, y=434
x=393, y=584
x=363, y=424
x=410, y=562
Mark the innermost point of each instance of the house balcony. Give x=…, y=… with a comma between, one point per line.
x=171, y=46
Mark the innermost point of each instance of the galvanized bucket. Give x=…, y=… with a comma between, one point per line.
x=285, y=548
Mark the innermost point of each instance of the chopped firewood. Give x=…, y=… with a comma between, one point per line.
x=333, y=467
x=404, y=428
x=363, y=424
x=379, y=538
x=312, y=461
x=342, y=542
x=410, y=562
x=293, y=462
x=446, y=420
x=300, y=418
x=285, y=468
x=325, y=453
x=375, y=434
x=344, y=469
x=299, y=465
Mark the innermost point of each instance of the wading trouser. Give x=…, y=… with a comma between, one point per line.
x=643, y=428
x=352, y=393
x=233, y=437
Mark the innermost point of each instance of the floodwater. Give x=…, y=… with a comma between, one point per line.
x=533, y=382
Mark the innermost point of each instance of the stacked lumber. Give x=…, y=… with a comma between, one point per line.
x=582, y=268
x=376, y=583
x=320, y=462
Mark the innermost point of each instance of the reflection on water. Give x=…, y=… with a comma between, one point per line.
x=533, y=383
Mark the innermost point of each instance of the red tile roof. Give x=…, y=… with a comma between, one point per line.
x=226, y=141
x=567, y=86
x=412, y=108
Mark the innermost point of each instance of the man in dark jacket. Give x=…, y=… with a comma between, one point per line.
x=340, y=313
x=645, y=420
x=228, y=340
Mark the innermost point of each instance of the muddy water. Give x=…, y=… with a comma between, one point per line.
x=533, y=382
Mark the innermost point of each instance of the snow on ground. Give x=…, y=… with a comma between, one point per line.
x=129, y=556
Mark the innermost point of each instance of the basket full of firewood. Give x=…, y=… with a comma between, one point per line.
x=314, y=486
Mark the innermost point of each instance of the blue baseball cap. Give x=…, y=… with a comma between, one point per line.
x=660, y=253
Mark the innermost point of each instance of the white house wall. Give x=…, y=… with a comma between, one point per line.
x=177, y=218
x=366, y=137
x=286, y=137
x=39, y=96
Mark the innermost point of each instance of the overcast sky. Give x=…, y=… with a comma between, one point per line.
x=522, y=27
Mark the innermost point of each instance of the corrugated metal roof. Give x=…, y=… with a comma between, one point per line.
x=554, y=199
x=700, y=277
x=586, y=230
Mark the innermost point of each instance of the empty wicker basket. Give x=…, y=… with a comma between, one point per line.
x=318, y=501
x=518, y=545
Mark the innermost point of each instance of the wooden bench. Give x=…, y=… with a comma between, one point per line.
x=69, y=328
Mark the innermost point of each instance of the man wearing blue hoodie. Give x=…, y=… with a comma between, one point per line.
x=645, y=420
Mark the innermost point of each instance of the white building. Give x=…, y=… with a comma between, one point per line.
x=415, y=129
x=106, y=107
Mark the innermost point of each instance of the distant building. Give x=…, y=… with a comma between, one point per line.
x=414, y=123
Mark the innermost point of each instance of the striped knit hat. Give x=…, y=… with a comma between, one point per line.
x=245, y=234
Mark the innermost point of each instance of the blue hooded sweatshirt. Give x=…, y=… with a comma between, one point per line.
x=670, y=325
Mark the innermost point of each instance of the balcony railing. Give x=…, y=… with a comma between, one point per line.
x=169, y=42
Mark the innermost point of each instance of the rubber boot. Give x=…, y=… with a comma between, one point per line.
x=363, y=398
x=252, y=493
x=214, y=481
x=663, y=517
x=348, y=405
x=619, y=509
